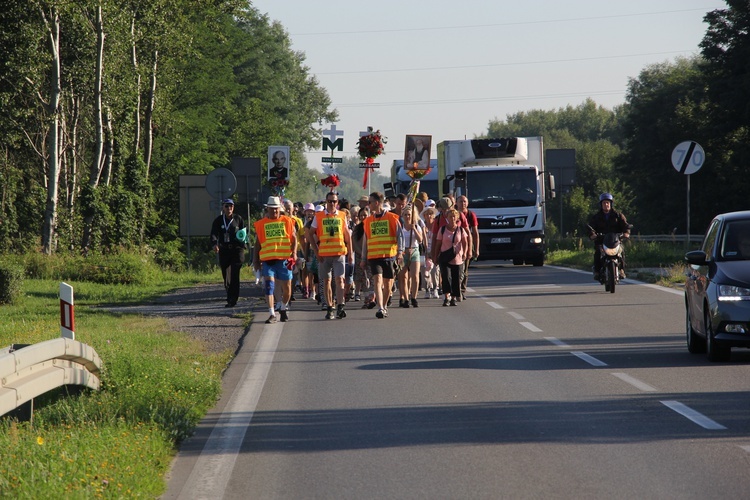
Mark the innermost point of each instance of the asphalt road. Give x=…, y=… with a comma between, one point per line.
x=540, y=385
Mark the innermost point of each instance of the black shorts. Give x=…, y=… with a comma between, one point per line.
x=382, y=266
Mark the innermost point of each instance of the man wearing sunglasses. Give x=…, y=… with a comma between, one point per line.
x=229, y=248
x=332, y=243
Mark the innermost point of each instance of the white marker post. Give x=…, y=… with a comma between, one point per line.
x=67, y=317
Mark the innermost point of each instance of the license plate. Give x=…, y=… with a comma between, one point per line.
x=500, y=240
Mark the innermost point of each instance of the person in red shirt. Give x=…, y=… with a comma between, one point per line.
x=462, y=205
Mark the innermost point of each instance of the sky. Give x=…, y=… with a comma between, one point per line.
x=447, y=68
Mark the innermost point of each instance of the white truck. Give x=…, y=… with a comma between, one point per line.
x=507, y=188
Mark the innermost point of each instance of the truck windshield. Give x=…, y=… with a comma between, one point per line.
x=498, y=188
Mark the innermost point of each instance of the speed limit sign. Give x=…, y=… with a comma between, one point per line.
x=688, y=157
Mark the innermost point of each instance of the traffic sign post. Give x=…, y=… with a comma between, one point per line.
x=688, y=158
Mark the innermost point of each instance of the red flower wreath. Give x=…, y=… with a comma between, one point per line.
x=279, y=183
x=331, y=181
x=371, y=145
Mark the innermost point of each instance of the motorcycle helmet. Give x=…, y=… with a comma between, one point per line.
x=606, y=196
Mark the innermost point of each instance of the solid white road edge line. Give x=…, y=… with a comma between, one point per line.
x=214, y=466
x=588, y=358
x=634, y=382
x=629, y=280
x=693, y=415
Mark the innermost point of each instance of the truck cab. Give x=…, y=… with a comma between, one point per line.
x=507, y=188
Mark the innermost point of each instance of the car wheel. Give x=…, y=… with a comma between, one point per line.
x=695, y=344
x=714, y=350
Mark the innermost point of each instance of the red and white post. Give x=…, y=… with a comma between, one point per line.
x=67, y=317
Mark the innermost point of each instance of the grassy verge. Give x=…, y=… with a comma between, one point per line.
x=117, y=442
x=662, y=263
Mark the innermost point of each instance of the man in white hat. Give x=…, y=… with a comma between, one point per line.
x=275, y=254
x=229, y=248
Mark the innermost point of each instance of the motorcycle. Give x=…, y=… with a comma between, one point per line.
x=611, y=251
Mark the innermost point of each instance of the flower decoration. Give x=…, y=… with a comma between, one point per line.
x=371, y=146
x=331, y=182
x=418, y=173
x=278, y=185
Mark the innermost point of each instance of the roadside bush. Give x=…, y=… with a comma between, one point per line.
x=11, y=282
x=120, y=268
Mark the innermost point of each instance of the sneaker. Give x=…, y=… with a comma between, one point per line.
x=389, y=301
x=330, y=314
x=414, y=303
x=371, y=305
x=445, y=302
x=435, y=294
x=323, y=306
x=340, y=313
x=403, y=303
x=271, y=319
x=463, y=296
x=453, y=302
x=357, y=298
x=427, y=294
x=380, y=314
x=284, y=317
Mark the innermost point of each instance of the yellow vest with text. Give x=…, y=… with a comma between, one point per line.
x=275, y=237
x=330, y=233
x=382, y=235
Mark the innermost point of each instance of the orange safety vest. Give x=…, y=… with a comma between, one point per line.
x=275, y=237
x=382, y=235
x=330, y=230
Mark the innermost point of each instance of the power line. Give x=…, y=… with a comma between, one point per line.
x=495, y=25
x=521, y=63
x=475, y=99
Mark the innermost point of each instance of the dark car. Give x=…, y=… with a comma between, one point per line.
x=717, y=289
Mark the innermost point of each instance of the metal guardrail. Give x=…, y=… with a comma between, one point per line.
x=32, y=370
x=674, y=238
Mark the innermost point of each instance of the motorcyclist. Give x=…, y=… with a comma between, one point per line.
x=606, y=220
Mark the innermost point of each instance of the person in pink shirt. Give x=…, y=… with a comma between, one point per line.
x=453, y=247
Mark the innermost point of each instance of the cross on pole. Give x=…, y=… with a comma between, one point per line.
x=332, y=133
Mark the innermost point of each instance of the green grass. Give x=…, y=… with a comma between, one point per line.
x=667, y=257
x=119, y=441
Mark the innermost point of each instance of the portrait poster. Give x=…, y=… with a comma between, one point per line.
x=278, y=162
x=417, y=152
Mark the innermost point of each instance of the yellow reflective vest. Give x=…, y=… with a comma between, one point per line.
x=330, y=231
x=382, y=235
x=275, y=237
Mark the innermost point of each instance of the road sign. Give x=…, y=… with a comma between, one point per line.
x=221, y=183
x=688, y=157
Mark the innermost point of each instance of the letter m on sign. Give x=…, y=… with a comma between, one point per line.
x=334, y=145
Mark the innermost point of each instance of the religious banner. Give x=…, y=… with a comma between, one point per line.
x=417, y=155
